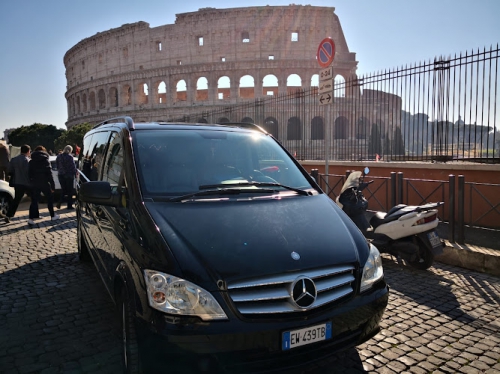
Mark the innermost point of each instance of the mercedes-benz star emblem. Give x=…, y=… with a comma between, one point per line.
x=303, y=292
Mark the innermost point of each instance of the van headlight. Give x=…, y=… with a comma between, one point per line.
x=174, y=295
x=372, y=271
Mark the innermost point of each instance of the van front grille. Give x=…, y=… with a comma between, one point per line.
x=274, y=294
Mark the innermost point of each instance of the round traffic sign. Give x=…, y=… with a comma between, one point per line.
x=326, y=52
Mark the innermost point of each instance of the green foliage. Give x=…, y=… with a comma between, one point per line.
x=73, y=137
x=35, y=135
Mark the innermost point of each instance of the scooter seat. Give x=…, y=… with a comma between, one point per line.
x=380, y=218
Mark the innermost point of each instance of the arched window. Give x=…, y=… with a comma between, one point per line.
x=162, y=93
x=271, y=126
x=92, y=100
x=247, y=87
x=181, y=89
x=293, y=129
x=202, y=89
x=247, y=120
x=317, y=129
x=101, y=96
x=223, y=88
x=341, y=128
x=339, y=86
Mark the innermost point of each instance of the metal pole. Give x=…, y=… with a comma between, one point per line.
x=451, y=209
x=461, y=193
x=400, y=188
x=393, y=188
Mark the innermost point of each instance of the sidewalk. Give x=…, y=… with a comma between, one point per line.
x=480, y=252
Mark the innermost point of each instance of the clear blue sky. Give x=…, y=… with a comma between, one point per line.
x=35, y=35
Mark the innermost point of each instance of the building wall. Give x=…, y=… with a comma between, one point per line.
x=106, y=73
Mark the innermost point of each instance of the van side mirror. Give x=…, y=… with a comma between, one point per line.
x=98, y=192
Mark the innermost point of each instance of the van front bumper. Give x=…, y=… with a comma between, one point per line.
x=242, y=345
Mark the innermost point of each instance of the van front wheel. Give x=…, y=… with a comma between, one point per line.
x=130, y=348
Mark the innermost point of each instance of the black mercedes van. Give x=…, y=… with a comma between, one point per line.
x=220, y=251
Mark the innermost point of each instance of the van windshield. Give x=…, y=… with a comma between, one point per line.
x=177, y=162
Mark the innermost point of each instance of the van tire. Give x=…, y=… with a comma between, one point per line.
x=130, y=346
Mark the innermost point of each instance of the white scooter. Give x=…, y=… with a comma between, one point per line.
x=406, y=232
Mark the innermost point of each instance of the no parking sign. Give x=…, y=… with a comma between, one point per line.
x=326, y=52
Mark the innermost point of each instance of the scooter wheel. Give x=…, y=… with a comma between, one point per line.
x=425, y=256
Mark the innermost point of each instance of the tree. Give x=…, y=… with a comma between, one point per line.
x=35, y=135
x=73, y=136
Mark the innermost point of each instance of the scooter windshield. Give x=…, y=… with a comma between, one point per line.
x=352, y=181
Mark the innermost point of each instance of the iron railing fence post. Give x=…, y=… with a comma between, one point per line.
x=393, y=189
x=461, y=213
x=399, y=199
x=451, y=209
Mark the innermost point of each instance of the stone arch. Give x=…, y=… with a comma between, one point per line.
x=293, y=83
x=223, y=120
x=126, y=96
x=161, y=90
x=339, y=86
x=362, y=128
x=294, y=129
x=341, y=130
x=92, y=101
x=315, y=80
x=101, y=98
x=247, y=120
x=113, y=97
x=202, y=89
x=270, y=85
x=271, y=126
x=84, y=102
x=317, y=128
x=78, y=111
x=181, y=90
x=202, y=120
x=142, y=93
x=247, y=87
x=223, y=88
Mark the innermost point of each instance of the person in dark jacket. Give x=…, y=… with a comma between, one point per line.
x=18, y=170
x=4, y=160
x=66, y=173
x=41, y=181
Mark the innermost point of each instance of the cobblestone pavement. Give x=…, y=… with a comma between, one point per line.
x=56, y=317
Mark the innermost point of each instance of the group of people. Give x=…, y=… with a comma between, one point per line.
x=31, y=174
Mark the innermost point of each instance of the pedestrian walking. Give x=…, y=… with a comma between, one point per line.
x=41, y=181
x=66, y=173
x=18, y=170
x=4, y=160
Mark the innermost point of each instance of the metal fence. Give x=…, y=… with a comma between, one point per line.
x=446, y=109
x=481, y=210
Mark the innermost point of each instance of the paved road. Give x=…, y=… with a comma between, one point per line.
x=55, y=316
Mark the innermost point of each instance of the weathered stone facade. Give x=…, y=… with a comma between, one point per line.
x=198, y=62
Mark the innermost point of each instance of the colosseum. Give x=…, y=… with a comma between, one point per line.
x=211, y=60
x=208, y=58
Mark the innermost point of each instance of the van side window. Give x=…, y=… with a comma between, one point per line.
x=94, y=155
x=114, y=163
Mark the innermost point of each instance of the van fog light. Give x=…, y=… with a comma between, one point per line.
x=177, y=296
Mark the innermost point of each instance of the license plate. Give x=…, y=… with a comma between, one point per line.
x=434, y=239
x=296, y=338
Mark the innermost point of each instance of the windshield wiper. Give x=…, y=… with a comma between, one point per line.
x=256, y=184
x=214, y=190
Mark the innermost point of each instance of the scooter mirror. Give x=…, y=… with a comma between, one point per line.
x=367, y=170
